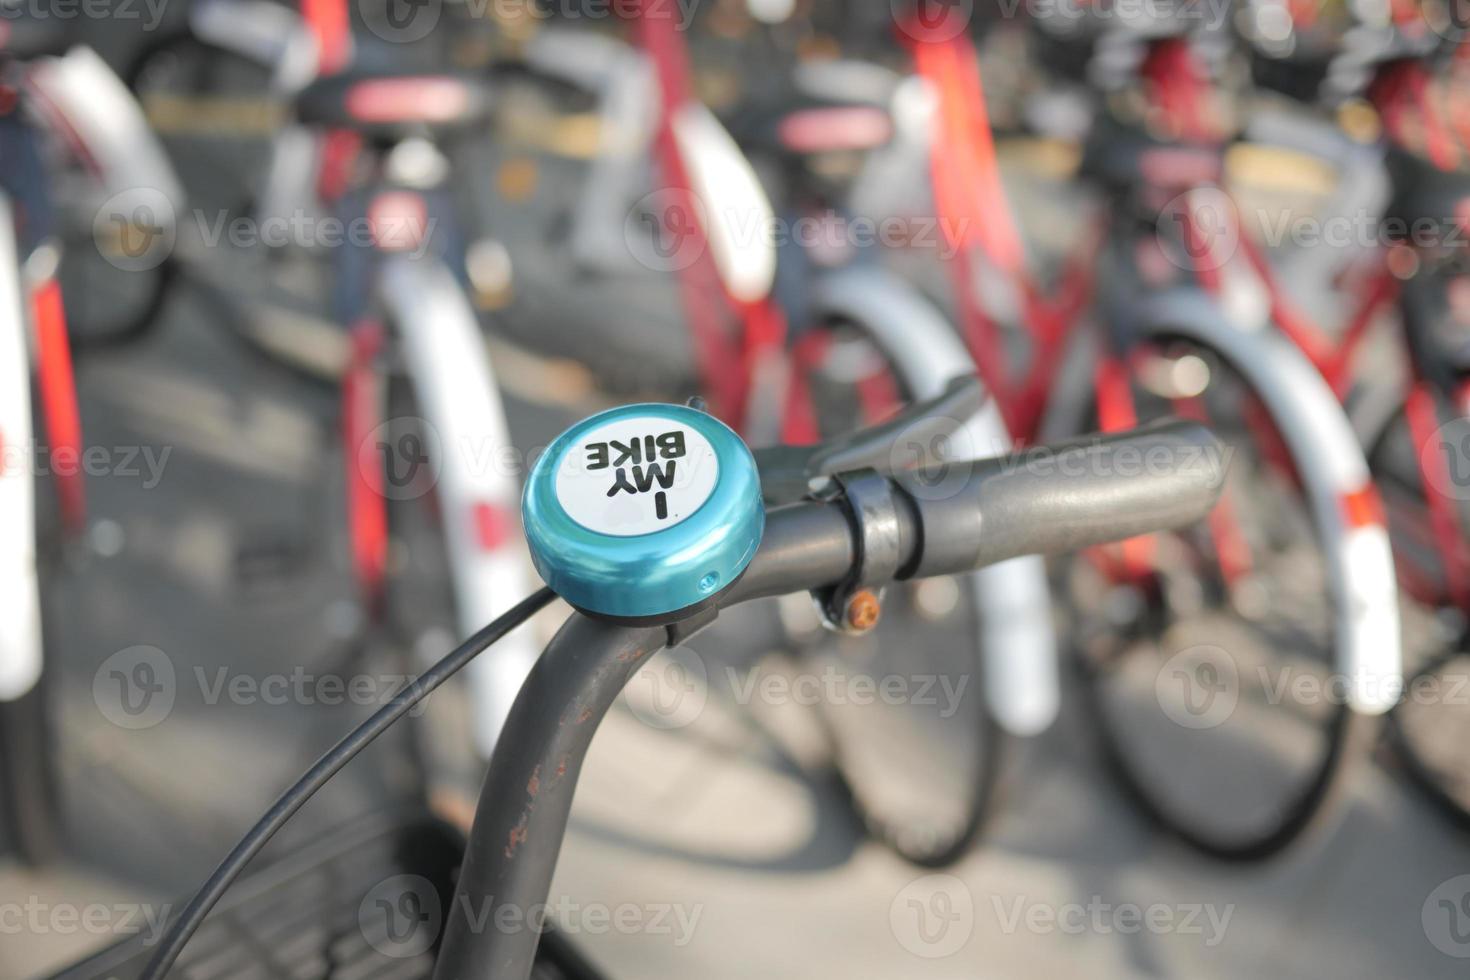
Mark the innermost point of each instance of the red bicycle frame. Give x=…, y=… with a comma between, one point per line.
x=979, y=227
x=707, y=301
x=967, y=187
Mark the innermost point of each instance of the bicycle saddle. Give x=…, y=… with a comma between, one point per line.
x=392, y=106
x=23, y=37
x=809, y=125
x=1121, y=156
x=1295, y=55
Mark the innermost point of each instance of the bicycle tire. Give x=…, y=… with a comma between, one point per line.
x=626, y=330
x=1426, y=779
x=211, y=59
x=85, y=338
x=1343, y=732
x=1429, y=777
x=855, y=741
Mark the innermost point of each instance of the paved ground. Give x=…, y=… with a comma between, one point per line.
x=723, y=833
x=232, y=561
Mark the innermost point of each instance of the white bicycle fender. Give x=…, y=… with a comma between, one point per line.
x=269, y=34
x=20, y=595
x=738, y=219
x=1018, y=644
x=1332, y=467
x=477, y=469
x=110, y=123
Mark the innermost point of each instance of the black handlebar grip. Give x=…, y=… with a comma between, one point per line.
x=1064, y=497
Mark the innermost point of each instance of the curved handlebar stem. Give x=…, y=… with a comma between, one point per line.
x=527, y=796
x=1044, y=500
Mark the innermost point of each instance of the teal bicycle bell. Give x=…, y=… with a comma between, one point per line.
x=644, y=514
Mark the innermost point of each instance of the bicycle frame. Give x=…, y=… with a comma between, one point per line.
x=1017, y=642
x=450, y=373
x=980, y=229
x=714, y=198
x=1329, y=461
x=1396, y=88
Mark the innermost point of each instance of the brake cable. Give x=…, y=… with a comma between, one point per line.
x=183, y=928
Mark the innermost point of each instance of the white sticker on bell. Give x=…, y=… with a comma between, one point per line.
x=636, y=476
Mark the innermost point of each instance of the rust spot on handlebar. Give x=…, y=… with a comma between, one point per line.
x=518, y=835
x=534, y=786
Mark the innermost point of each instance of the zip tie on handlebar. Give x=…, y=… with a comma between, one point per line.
x=868, y=500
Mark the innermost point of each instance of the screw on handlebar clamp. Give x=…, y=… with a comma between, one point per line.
x=868, y=499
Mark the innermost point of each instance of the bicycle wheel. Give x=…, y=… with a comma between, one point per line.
x=1428, y=728
x=30, y=808
x=1211, y=656
x=113, y=292
x=904, y=705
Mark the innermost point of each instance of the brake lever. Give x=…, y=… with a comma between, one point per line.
x=788, y=472
x=931, y=420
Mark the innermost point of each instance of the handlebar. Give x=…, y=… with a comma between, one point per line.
x=1044, y=500
x=934, y=522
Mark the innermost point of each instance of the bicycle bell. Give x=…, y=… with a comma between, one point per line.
x=645, y=514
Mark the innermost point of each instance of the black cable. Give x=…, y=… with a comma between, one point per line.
x=184, y=927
